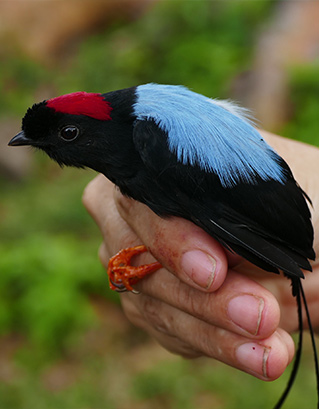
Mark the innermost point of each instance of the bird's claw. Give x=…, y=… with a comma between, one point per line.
x=122, y=275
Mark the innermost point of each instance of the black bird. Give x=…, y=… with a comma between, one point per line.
x=186, y=155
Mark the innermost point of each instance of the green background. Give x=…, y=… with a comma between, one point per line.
x=64, y=342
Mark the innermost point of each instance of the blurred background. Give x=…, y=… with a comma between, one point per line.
x=64, y=342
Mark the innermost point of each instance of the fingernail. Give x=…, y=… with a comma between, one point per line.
x=254, y=357
x=200, y=267
x=246, y=312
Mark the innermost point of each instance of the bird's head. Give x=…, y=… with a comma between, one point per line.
x=69, y=128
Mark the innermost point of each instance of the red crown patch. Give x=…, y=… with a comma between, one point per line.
x=82, y=103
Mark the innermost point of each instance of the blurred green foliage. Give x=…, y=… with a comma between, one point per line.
x=201, y=47
x=43, y=288
x=48, y=244
x=48, y=260
x=200, y=44
x=174, y=384
x=304, y=84
x=20, y=77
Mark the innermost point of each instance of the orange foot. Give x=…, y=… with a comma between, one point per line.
x=122, y=275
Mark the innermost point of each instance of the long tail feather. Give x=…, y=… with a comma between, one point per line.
x=313, y=342
x=296, y=285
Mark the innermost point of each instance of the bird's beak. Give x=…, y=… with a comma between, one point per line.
x=19, y=140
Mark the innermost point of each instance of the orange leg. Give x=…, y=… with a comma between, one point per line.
x=122, y=275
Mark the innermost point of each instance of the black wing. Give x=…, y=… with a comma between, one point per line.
x=268, y=223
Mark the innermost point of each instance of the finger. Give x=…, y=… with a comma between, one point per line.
x=241, y=305
x=181, y=246
x=266, y=359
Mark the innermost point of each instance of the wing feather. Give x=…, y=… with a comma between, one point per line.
x=267, y=223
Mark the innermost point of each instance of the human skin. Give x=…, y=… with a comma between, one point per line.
x=206, y=301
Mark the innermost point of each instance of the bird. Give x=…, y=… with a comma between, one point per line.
x=186, y=155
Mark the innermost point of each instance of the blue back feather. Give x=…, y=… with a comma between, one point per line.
x=211, y=133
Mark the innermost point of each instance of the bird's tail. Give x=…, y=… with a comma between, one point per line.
x=298, y=292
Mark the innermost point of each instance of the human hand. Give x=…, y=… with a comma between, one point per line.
x=231, y=315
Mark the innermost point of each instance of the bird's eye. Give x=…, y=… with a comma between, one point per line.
x=69, y=133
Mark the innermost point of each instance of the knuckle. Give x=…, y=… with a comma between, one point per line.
x=96, y=190
x=90, y=194
x=131, y=311
x=87, y=194
x=104, y=255
x=177, y=346
x=188, y=352
x=163, y=323
x=210, y=342
x=196, y=303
